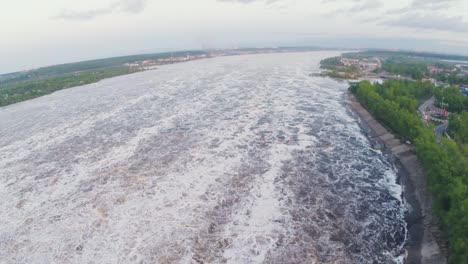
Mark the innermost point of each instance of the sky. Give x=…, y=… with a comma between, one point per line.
x=39, y=33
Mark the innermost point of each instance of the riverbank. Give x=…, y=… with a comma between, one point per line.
x=426, y=243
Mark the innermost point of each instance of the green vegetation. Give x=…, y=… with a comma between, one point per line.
x=459, y=129
x=91, y=65
x=21, y=91
x=349, y=72
x=446, y=162
x=21, y=86
x=415, y=65
x=452, y=78
x=417, y=68
x=331, y=63
x=453, y=97
x=338, y=70
x=409, y=54
x=405, y=67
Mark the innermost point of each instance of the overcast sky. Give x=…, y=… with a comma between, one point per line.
x=36, y=33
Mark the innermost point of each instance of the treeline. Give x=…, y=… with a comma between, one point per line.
x=453, y=98
x=408, y=54
x=330, y=63
x=17, y=92
x=415, y=64
x=415, y=70
x=350, y=72
x=90, y=65
x=338, y=70
x=407, y=94
x=445, y=163
x=459, y=129
x=395, y=63
x=452, y=78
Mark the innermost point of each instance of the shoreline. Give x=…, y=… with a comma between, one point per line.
x=142, y=68
x=425, y=242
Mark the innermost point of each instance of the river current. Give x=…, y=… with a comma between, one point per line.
x=244, y=159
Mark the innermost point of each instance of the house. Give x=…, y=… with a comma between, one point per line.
x=437, y=70
x=349, y=62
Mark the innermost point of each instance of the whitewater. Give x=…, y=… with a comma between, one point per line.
x=242, y=159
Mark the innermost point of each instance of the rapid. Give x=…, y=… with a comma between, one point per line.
x=243, y=159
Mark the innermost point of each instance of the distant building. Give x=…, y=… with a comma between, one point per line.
x=364, y=64
x=431, y=80
x=349, y=62
x=437, y=70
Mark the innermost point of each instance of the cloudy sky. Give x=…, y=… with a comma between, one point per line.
x=37, y=33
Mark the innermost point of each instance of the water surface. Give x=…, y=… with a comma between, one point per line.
x=242, y=159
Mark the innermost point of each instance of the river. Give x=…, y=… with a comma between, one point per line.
x=243, y=159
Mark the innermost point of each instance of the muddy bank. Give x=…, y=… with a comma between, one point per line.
x=426, y=243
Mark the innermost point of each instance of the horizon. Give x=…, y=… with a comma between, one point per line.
x=234, y=131
x=318, y=48
x=55, y=32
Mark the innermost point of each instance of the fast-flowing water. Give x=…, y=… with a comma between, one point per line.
x=241, y=159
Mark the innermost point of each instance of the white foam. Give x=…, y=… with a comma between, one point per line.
x=176, y=164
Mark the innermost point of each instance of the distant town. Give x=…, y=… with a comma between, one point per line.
x=398, y=67
x=176, y=58
x=449, y=79
x=32, y=83
x=422, y=99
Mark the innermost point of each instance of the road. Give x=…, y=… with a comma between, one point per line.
x=429, y=104
x=440, y=130
x=426, y=105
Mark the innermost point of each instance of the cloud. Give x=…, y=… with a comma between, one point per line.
x=132, y=6
x=119, y=6
x=433, y=4
x=418, y=14
x=424, y=6
x=365, y=6
x=249, y=1
x=429, y=22
x=357, y=6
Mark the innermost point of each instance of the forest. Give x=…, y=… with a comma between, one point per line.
x=91, y=65
x=415, y=70
x=446, y=161
x=331, y=63
x=452, y=98
x=21, y=91
x=428, y=56
x=459, y=129
x=452, y=78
